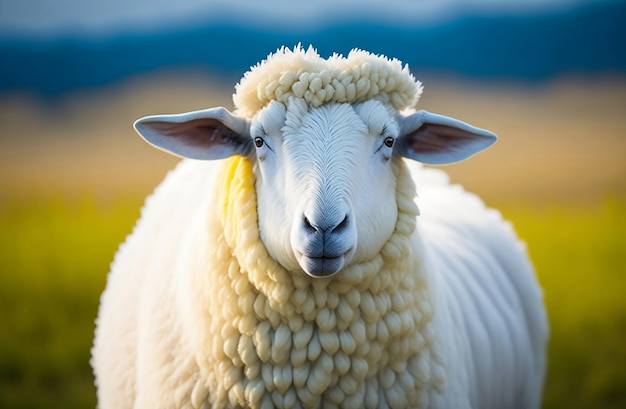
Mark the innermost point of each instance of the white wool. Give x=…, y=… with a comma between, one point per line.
x=304, y=74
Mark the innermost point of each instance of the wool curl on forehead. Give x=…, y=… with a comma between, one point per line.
x=304, y=74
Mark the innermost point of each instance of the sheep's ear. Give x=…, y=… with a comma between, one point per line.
x=437, y=139
x=208, y=134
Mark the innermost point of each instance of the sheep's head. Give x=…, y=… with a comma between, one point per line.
x=323, y=136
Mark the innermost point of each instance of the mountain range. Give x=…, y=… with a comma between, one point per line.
x=588, y=40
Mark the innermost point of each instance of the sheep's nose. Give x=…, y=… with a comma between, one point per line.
x=326, y=227
x=324, y=235
x=322, y=241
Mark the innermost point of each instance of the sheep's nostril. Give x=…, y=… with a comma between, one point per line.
x=308, y=226
x=341, y=226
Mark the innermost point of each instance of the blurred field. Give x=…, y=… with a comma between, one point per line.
x=74, y=176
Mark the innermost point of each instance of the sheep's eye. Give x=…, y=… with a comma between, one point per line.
x=388, y=141
x=258, y=141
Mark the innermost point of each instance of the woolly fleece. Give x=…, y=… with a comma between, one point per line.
x=274, y=337
x=304, y=74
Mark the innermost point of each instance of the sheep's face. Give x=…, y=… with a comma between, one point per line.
x=325, y=185
x=324, y=177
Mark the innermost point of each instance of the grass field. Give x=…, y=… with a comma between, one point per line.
x=66, y=202
x=54, y=256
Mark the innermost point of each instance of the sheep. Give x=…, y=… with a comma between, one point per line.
x=285, y=261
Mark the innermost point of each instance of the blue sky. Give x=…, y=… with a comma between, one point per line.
x=99, y=17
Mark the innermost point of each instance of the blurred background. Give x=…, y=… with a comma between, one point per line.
x=548, y=76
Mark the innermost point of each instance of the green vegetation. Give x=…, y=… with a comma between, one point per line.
x=55, y=253
x=579, y=254
x=54, y=258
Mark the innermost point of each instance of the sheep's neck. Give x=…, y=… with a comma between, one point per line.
x=363, y=335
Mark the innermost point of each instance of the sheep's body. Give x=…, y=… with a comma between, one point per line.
x=470, y=250
x=497, y=329
x=446, y=313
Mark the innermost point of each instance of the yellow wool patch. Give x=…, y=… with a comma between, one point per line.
x=239, y=184
x=276, y=338
x=304, y=74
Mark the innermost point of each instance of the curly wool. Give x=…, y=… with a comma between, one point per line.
x=278, y=338
x=304, y=74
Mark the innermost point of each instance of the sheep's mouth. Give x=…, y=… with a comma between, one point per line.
x=318, y=267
